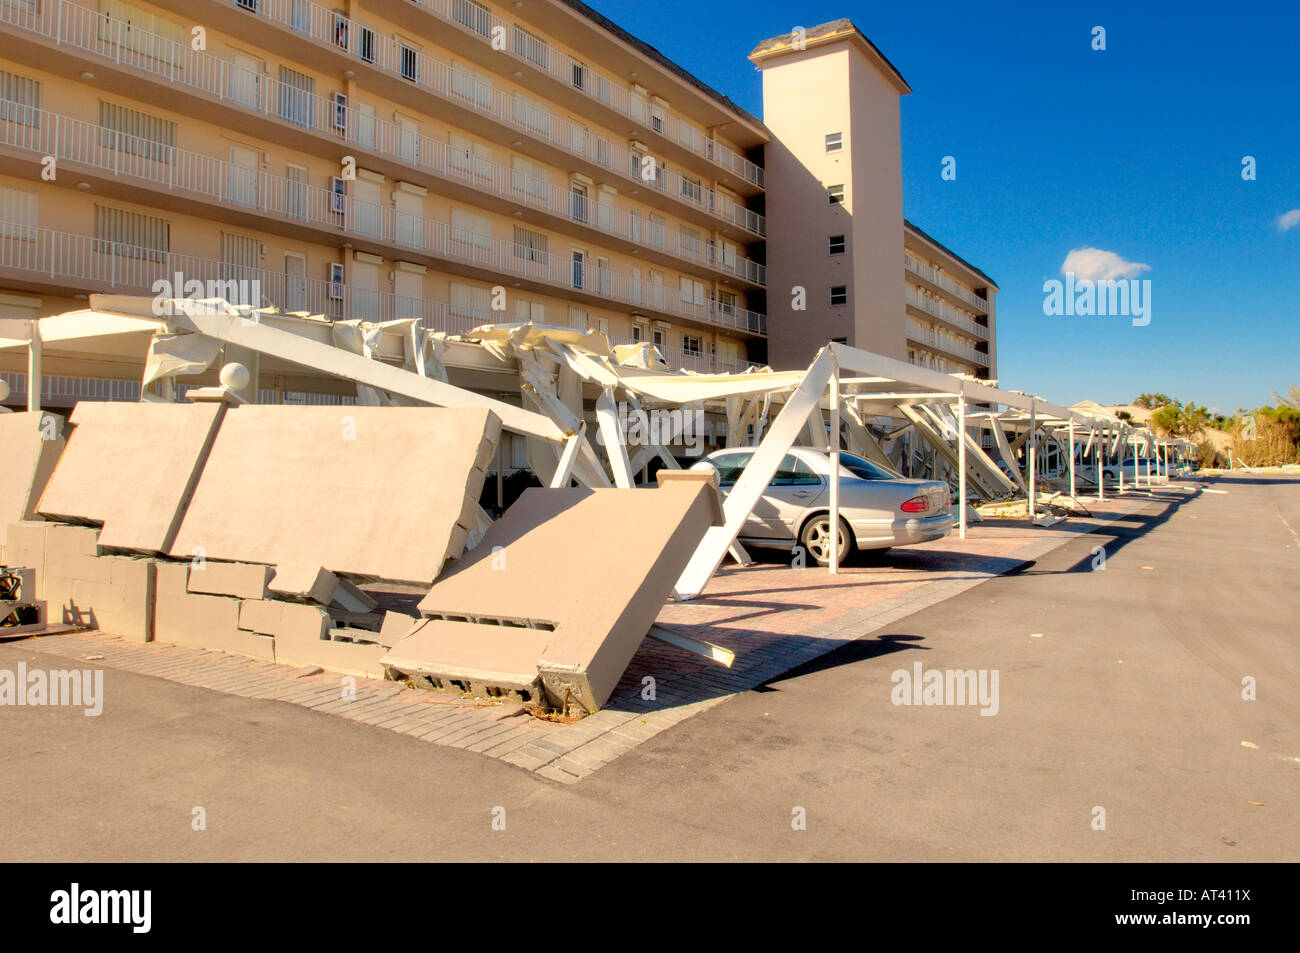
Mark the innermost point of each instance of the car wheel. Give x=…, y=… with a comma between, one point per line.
x=815, y=538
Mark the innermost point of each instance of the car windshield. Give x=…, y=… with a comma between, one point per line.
x=865, y=469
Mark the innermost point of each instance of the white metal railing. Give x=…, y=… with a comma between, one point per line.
x=943, y=281
x=945, y=312
x=931, y=338
x=63, y=255
x=532, y=50
x=41, y=132
x=183, y=172
x=703, y=363
x=71, y=25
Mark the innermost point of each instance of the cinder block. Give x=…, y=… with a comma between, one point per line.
x=301, y=623
x=243, y=580
x=396, y=626
x=260, y=615
x=301, y=581
x=208, y=622
x=348, y=658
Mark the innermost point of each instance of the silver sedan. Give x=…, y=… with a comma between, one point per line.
x=878, y=508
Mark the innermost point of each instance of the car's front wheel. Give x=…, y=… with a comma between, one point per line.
x=815, y=538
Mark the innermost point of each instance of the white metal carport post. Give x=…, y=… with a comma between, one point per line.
x=1071, y=458
x=1033, y=462
x=34, y=368
x=835, y=468
x=1102, y=437
x=1119, y=446
x=961, y=460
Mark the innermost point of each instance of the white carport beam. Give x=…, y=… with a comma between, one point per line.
x=265, y=339
x=753, y=481
x=961, y=464
x=612, y=436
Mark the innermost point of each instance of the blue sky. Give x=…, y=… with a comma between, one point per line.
x=1136, y=150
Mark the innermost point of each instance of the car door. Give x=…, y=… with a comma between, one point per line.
x=793, y=489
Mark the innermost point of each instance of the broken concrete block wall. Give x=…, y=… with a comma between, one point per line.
x=561, y=591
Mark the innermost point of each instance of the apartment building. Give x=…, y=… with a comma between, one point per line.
x=835, y=216
x=452, y=161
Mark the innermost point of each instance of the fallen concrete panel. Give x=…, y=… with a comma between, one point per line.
x=562, y=589
x=30, y=445
x=130, y=467
x=370, y=492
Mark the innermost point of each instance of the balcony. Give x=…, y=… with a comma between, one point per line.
x=940, y=280
x=101, y=266
x=536, y=55
x=932, y=339
x=74, y=27
x=946, y=313
x=180, y=172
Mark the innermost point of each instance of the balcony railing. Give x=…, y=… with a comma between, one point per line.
x=930, y=338
x=479, y=23
x=114, y=265
x=946, y=312
x=42, y=133
x=943, y=281
x=78, y=27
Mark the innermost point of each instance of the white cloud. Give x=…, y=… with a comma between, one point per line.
x=1093, y=264
x=1288, y=221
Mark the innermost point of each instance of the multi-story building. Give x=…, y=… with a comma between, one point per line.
x=463, y=163
x=457, y=162
x=950, y=320
x=835, y=216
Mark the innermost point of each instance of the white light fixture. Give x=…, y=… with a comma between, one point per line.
x=87, y=76
x=84, y=186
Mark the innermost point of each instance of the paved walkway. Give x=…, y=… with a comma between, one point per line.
x=773, y=617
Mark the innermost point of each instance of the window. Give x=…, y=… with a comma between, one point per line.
x=366, y=45
x=579, y=269
x=408, y=140
x=657, y=119
x=839, y=294
x=336, y=281
x=532, y=48
x=579, y=319
x=137, y=133
x=20, y=100
x=530, y=179
x=151, y=35
x=530, y=245
x=367, y=213
x=638, y=332
x=727, y=302
x=410, y=62
x=533, y=311
x=578, y=202
x=794, y=472
x=471, y=302
x=692, y=292
x=835, y=245
x=131, y=235
x=295, y=96
x=473, y=15
x=603, y=276
x=472, y=230
x=471, y=85
x=579, y=74
x=469, y=157
x=532, y=116
x=836, y=194
x=409, y=217
x=730, y=466
x=689, y=240
x=834, y=141
x=18, y=213
x=658, y=231
x=341, y=31
x=692, y=345
x=243, y=177
x=295, y=192
x=340, y=118
x=338, y=195
x=691, y=189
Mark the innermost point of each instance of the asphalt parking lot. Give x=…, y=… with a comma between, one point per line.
x=1118, y=689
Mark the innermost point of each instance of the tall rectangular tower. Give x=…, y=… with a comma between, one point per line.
x=835, y=200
